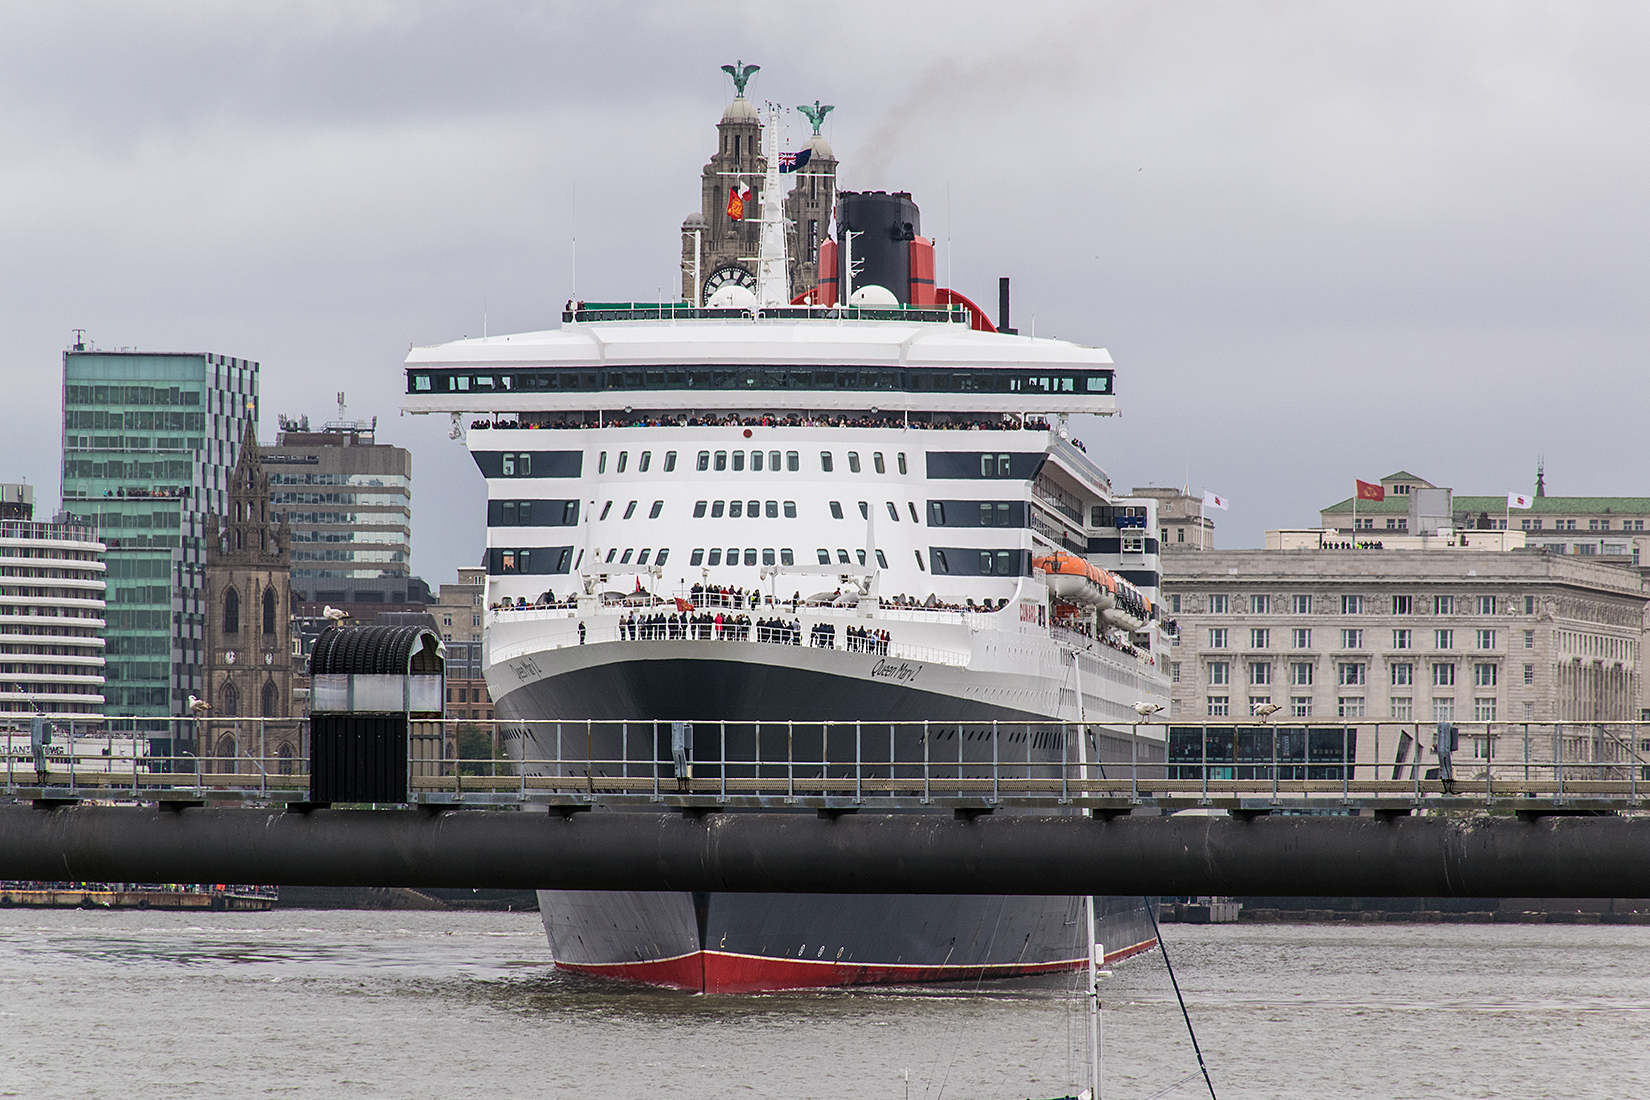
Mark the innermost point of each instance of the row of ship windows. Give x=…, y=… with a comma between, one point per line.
x=942, y=560
x=1300, y=637
x=1221, y=604
x=565, y=513
x=1354, y=673
x=520, y=463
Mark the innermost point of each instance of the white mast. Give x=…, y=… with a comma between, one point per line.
x=773, y=275
x=1097, y=954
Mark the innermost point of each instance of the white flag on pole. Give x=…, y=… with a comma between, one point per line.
x=1212, y=501
x=1518, y=500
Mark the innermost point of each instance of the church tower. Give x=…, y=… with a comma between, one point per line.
x=248, y=655
x=809, y=205
x=728, y=246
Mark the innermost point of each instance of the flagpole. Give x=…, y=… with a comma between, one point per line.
x=1354, y=513
x=1201, y=504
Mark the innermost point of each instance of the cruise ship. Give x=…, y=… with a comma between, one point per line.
x=863, y=502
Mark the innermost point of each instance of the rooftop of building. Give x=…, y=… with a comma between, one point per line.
x=1253, y=568
x=1497, y=505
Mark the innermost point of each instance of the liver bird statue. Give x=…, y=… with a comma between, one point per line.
x=741, y=74
x=816, y=114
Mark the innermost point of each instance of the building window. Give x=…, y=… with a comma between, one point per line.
x=1174, y=604
x=1260, y=674
x=1443, y=674
x=1260, y=605
x=1483, y=710
x=1403, y=708
x=1220, y=673
x=1486, y=605
x=1217, y=637
x=1219, y=604
x=1566, y=525
x=1483, y=675
x=1219, y=705
x=1529, y=639
x=1300, y=706
x=1443, y=605
x=1174, y=672
x=1401, y=605
x=1300, y=674
x=1529, y=674
x=1300, y=637
x=269, y=610
x=231, y=612
x=1403, y=674
x=1351, y=673
x=1300, y=605
x=1352, y=639
x=1443, y=639
x=1260, y=638
x=269, y=704
x=1349, y=706
x=1402, y=639
x=1529, y=605
x=1486, y=639
x=1443, y=710
x=1352, y=605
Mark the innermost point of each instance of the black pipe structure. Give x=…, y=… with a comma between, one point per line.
x=849, y=853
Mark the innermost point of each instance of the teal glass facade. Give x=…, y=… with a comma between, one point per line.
x=149, y=446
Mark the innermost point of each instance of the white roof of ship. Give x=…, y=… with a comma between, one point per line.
x=775, y=342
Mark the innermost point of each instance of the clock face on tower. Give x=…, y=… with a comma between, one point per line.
x=730, y=274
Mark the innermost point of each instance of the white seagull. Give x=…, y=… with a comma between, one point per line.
x=1146, y=710
x=198, y=707
x=1266, y=710
x=336, y=614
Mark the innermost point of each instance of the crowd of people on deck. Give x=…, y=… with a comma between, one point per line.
x=707, y=626
x=870, y=420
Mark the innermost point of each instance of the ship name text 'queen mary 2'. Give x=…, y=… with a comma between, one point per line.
x=850, y=499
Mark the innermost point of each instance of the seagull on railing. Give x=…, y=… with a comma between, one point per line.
x=1146, y=710
x=336, y=614
x=1266, y=710
x=198, y=707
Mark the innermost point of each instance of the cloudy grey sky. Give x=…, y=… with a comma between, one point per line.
x=1321, y=240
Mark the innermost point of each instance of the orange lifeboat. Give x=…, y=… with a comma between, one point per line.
x=1075, y=581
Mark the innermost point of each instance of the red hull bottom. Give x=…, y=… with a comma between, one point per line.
x=724, y=972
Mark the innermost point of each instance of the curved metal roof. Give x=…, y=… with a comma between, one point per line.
x=377, y=650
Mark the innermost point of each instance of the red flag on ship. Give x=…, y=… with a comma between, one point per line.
x=683, y=605
x=1366, y=491
x=738, y=195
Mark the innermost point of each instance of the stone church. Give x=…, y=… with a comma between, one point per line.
x=249, y=661
x=728, y=248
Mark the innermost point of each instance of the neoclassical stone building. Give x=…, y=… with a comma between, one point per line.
x=248, y=655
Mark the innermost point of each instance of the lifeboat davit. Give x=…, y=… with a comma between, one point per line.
x=1075, y=581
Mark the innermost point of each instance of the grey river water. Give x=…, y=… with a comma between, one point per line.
x=357, y=1004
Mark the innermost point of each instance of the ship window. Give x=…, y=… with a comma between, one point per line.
x=937, y=559
x=900, y=459
x=936, y=513
x=507, y=562
x=825, y=461
x=643, y=462
x=1003, y=466
x=750, y=557
x=773, y=461
x=624, y=459
x=753, y=509
x=670, y=462
x=853, y=462
x=606, y=508
x=630, y=510
x=790, y=509
x=697, y=558
x=716, y=555
x=611, y=554
x=716, y=510
x=768, y=557
x=836, y=509
x=509, y=513
x=509, y=464
x=736, y=509
x=913, y=506
x=664, y=553
x=601, y=463
x=861, y=554
x=721, y=461
x=893, y=513
x=881, y=561
x=842, y=557
x=793, y=461
x=876, y=462
x=641, y=559
x=756, y=462
x=985, y=514
x=733, y=555
x=864, y=510
x=658, y=506
x=786, y=557
x=570, y=513
x=739, y=460
x=824, y=557
x=772, y=509
x=918, y=553
x=985, y=563
x=704, y=462
x=699, y=509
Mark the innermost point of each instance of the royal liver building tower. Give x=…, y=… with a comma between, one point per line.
x=720, y=242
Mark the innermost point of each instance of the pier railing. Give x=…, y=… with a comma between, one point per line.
x=1245, y=767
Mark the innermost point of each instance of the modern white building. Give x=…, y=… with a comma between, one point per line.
x=51, y=614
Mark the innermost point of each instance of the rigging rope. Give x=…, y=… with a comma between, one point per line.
x=1151, y=911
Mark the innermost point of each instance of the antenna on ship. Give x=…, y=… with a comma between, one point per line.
x=773, y=276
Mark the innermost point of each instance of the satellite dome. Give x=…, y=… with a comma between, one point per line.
x=732, y=296
x=740, y=110
x=874, y=297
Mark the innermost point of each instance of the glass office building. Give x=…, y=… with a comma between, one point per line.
x=149, y=446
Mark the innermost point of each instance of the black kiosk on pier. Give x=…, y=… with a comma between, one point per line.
x=376, y=702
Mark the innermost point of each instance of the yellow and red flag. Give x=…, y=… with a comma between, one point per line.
x=1366, y=491
x=737, y=196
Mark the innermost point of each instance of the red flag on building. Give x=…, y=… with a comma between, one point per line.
x=737, y=195
x=1366, y=491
